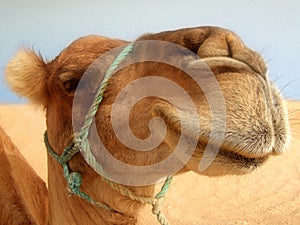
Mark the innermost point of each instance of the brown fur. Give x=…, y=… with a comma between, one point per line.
x=23, y=196
x=28, y=69
x=256, y=115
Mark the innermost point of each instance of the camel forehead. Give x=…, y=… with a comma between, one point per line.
x=80, y=54
x=91, y=45
x=85, y=42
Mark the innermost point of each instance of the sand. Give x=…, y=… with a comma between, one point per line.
x=25, y=125
x=270, y=195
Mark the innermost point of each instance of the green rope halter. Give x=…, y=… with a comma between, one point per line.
x=81, y=142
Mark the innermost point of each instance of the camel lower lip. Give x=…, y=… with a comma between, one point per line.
x=234, y=158
x=242, y=160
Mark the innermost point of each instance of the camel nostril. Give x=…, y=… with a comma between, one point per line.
x=230, y=54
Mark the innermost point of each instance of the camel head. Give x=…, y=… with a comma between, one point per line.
x=251, y=126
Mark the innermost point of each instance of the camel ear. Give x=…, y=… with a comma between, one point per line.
x=26, y=74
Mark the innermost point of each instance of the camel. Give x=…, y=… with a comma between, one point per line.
x=23, y=197
x=255, y=115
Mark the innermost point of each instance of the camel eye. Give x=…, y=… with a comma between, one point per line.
x=70, y=86
x=69, y=82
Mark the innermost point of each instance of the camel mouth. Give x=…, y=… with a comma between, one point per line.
x=256, y=117
x=228, y=155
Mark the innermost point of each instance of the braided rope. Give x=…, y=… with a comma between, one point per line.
x=81, y=137
x=81, y=143
x=84, y=131
x=73, y=179
x=156, y=201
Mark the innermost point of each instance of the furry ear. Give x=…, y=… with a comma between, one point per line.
x=26, y=74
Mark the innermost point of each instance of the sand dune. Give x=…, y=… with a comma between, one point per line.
x=271, y=195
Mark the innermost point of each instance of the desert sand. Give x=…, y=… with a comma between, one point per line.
x=270, y=195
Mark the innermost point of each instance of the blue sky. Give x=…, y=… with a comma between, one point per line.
x=270, y=27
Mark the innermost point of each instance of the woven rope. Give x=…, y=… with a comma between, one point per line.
x=74, y=182
x=81, y=143
x=73, y=179
x=84, y=131
x=156, y=202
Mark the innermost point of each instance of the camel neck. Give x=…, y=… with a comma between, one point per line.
x=71, y=209
x=65, y=209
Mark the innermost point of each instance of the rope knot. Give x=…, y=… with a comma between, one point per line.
x=157, y=210
x=82, y=143
x=74, y=182
x=156, y=207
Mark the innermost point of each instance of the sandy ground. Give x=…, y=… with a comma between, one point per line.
x=25, y=125
x=271, y=195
